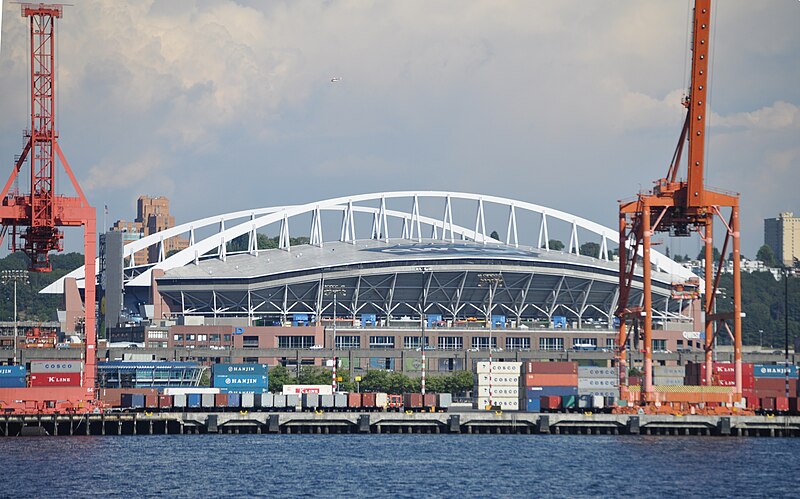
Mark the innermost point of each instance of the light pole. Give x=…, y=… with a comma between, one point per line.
x=424, y=319
x=14, y=275
x=786, y=324
x=335, y=290
x=492, y=281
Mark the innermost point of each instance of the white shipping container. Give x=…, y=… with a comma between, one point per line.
x=505, y=403
x=187, y=390
x=207, y=400
x=56, y=366
x=669, y=371
x=598, y=383
x=381, y=399
x=179, y=400
x=499, y=367
x=498, y=379
x=248, y=399
x=665, y=381
x=300, y=389
x=597, y=372
x=602, y=393
x=499, y=391
x=598, y=402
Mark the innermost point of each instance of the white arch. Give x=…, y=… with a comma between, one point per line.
x=261, y=217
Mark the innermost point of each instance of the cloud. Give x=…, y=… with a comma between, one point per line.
x=141, y=173
x=781, y=115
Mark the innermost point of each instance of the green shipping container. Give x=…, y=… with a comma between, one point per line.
x=568, y=401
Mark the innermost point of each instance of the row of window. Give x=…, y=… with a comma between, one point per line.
x=213, y=338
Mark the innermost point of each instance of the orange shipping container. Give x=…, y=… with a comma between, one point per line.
x=532, y=367
x=551, y=379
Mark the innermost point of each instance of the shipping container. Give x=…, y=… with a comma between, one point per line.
x=179, y=401
x=56, y=366
x=194, y=400
x=768, y=403
x=132, y=400
x=56, y=379
x=532, y=405
x=585, y=401
x=391, y=402
x=240, y=369
x=219, y=400
x=234, y=400
x=241, y=381
x=310, y=401
x=774, y=371
x=429, y=400
x=292, y=401
x=762, y=385
x=666, y=381
x=551, y=380
x=603, y=393
x=327, y=401
x=187, y=390
x=412, y=401
x=165, y=401
x=13, y=382
x=781, y=404
x=300, y=389
x=368, y=400
x=669, y=371
x=538, y=391
x=498, y=379
x=354, y=400
x=499, y=391
x=445, y=400
x=597, y=383
x=263, y=400
x=505, y=404
x=550, y=403
x=278, y=401
x=482, y=367
x=151, y=401
x=340, y=400
x=12, y=372
x=598, y=402
x=598, y=372
x=568, y=402
x=534, y=367
x=610, y=401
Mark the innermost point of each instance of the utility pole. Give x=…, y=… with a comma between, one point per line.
x=14, y=276
x=335, y=290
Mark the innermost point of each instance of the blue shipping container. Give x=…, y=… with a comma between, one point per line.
x=12, y=371
x=7, y=382
x=240, y=381
x=542, y=391
x=773, y=371
x=499, y=321
x=193, y=399
x=132, y=400
x=369, y=320
x=240, y=369
x=533, y=405
x=234, y=399
x=559, y=321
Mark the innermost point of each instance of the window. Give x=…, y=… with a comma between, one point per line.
x=250, y=360
x=585, y=342
x=227, y=338
x=381, y=341
x=482, y=342
x=202, y=337
x=680, y=343
x=518, y=343
x=177, y=337
x=189, y=337
x=611, y=343
x=551, y=343
x=659, y=345
x=250, y=342
x=413, y=342
x=157, y=335
x=295, y=341
x=348, y=342
x=451, y=343
x=215, y=338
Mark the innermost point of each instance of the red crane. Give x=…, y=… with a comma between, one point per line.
x=34, y=218
x=681, y=207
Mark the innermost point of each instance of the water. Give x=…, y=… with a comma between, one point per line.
x=418, y=466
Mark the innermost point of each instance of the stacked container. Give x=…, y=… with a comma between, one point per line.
x=56, y=373
x=240, y=378
x=544, y=379
x=669, y=375
x=502, y=384
x=600, y=382
x=769, y=380
x=12, y=377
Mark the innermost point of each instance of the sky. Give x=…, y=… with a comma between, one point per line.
x=227, y=105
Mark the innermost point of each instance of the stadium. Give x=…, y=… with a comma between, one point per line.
x=395, y=257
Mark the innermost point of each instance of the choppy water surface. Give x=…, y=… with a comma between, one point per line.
x=398, y=466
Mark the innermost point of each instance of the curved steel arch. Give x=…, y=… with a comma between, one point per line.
x=412, y=222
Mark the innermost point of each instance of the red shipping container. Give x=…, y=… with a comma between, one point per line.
x=221, y=399
x=412, y=400
x=777, y=385
x=56, y=379
x=165, y=401
x=723, y=374
x=368, y=400
x=532, y=367
x=151, y=400
x=768, y=403
x=354, y=400
x=551, y=380
x=429, y=400
x=550, y=402
x=781, y=404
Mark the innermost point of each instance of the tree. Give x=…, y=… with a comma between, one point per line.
x=555, y=245
x=279, y=376
x=459, y=382
x=590, y=249
x=702, y=254
x=494, y=235
x=766, y=256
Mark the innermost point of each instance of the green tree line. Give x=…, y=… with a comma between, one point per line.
x=32, y=306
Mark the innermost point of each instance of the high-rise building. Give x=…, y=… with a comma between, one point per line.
x=152, y=215
x=782, y=234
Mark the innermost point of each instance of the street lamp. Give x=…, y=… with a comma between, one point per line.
x=335, y=290
x=493, y=281
x=786, y=324
x=14, y=275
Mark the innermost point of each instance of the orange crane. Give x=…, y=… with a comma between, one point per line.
x=681, y=207
x=42, y=211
